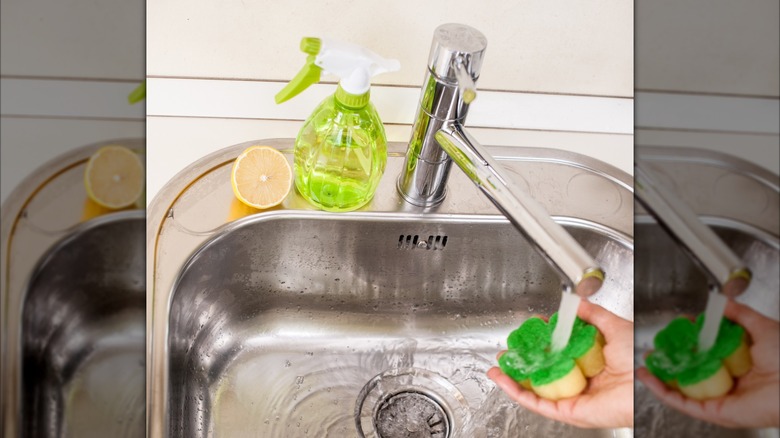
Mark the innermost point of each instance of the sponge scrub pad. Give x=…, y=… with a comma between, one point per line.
x=699, y=375
x=553, y=375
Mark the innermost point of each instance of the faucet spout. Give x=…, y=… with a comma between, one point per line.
x=578, y=269
x=724, y=269
x=438, y=139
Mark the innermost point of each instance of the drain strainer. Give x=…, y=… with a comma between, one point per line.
x=409, y=403
x=411, y=415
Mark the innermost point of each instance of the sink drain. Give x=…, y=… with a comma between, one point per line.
x=409, y=403
x=411, y=415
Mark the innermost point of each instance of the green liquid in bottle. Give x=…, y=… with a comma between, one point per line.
x=340, y=155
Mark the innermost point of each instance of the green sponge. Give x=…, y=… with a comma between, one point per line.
x=530, y=361
x=678, y=362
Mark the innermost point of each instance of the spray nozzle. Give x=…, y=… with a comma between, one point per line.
x=311, y=46
x=354, y=65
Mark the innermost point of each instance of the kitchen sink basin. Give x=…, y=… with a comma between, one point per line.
x=741, y=207
x=73, y=308
x=83, y=335
x=294, y=322
x=278, y=322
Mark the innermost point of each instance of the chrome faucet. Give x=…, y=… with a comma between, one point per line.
x=438, y=139
x=724, y=269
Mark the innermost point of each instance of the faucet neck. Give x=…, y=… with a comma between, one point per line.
x=448, y=88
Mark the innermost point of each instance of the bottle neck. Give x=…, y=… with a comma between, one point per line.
x=352, y=101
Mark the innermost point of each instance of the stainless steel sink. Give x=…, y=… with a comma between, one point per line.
x=294, y=322
x=73, y=298
x=740, y=203
x=83, y=335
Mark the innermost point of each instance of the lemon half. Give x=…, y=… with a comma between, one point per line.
x=261, y=177
x=114, y=177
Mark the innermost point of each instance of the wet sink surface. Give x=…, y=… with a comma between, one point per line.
x=83, y=336
x=297, y=324
x=668, y=285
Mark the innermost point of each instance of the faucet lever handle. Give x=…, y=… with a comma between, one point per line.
x=466, y=85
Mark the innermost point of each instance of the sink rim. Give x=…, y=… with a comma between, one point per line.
x=687, y=154
x=770, y=239
x=76, y=231
x=383, y=216
x=173, y=189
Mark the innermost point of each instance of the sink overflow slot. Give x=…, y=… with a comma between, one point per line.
x=408, y=241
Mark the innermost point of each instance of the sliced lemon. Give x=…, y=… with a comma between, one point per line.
x=114, y=177
x=261, y=177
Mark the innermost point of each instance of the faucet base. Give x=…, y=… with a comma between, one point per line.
x=423, y=184
x=420, y=201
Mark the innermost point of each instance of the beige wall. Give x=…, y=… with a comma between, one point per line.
x=708, y=46
x=73, y=38
x=572, y=47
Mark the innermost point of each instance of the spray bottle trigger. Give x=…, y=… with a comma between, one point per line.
x=309, y=74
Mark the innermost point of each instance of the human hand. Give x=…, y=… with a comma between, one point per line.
x=608, y=400
x=755, y=400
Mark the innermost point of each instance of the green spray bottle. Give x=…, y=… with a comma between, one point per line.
x=341, y=150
